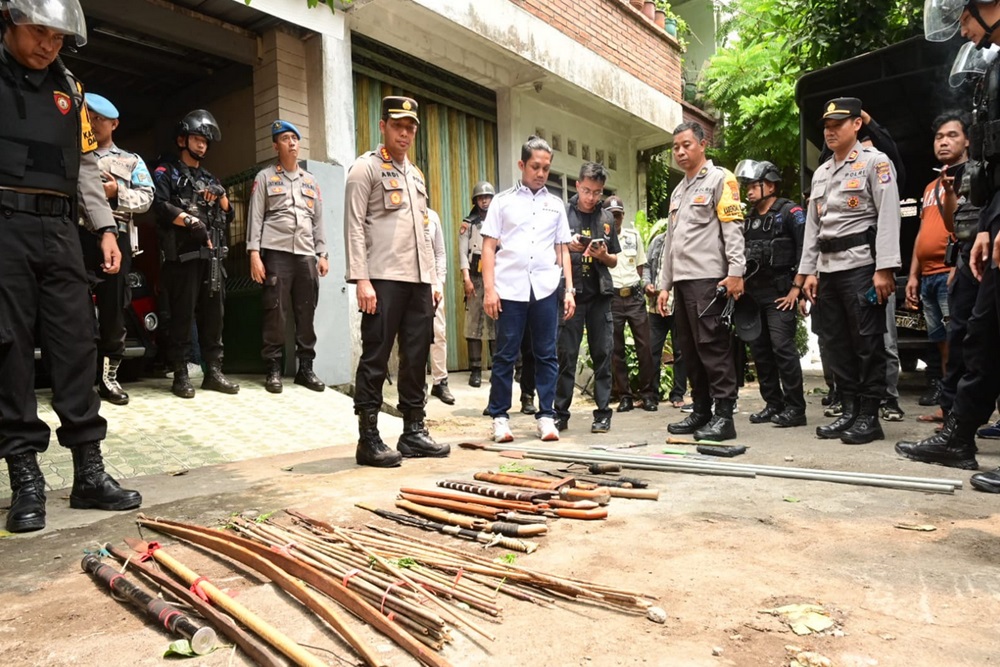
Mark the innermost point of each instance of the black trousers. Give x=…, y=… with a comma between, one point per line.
x=853, y=332
x=659, y=327
x=976, y=395
x=961, y=300
x=111, y=292
x=291, y=284
x=43, y=283
x=631, y=310
x=406, y=311
x=594, y=313
x=705, y=342
x=779, y=370
x=191, y=301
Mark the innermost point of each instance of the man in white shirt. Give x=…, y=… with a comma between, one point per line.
x=524, y=250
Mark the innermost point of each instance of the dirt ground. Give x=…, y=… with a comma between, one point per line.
x=716, y=551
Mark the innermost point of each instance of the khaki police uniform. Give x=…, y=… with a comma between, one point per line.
x=628, y=306
x=286, y=226
x=386, y=241
x=704, y=245
x=470, y=252
x=853, y=213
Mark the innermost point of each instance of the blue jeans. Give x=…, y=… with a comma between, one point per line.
x=541, y=318
x=934, y=295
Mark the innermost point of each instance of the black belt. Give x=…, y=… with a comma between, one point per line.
x=842, y=243
x=36, y=203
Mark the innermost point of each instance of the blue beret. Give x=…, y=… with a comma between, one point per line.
x=101, y=105
x=279, y=126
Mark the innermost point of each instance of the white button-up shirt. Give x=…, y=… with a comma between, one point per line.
x=527, y=226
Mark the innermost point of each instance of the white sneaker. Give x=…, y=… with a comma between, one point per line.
x=547, y=430
x=501, y=430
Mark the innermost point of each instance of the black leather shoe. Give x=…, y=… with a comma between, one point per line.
x=307, y=378
x=650, y=404
x=626, y=405
x=789, y=417
x=93, y=487
x=988, y=482
x=371, y=450
x=216, y=381
x=562, y=423
x=528, y=404
x=832, y=396
x=845, y=421
x=933, y=394
x=954, y=447
x=689, y=424
x=108, y=387
x=416, y=440
x=486, y=411
x=865, y=429
x=182, y=387
x=272, y=383
x=718, y=428
x=602, y=425
x=764, y=416
x=476, y=377
x=27, y=500
x=441, y=391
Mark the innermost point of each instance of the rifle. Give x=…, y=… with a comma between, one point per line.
x=213, y=217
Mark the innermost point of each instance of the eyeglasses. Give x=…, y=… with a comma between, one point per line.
x=590, y=193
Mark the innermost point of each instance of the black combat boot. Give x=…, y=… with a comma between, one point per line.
x=721, y=426
x=987, y=482
x=109, y=387
x=305, y=376
x=790, y=417
x=528, y=403
x=273, y=380
x=216, y=381
x=416, y=441
x=843, y=422
x=700, y=416
x=93, y=488
x=764, y=416
x=475, y=362
x=371, y=450
x=954, y=446
x=27, y=499
x=866, y=427
x=440, y=390
x=182, y=386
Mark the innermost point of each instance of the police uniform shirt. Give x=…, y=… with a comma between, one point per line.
x=385, y=221
x=43, y=116
x=286, y=212
x=470, y=244
x=702, y=240
x=627, y=273
x=528, y=226
x=848, y=198
x=135, y=185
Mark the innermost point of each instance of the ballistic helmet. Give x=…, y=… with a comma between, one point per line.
x=746, y=319
x=941, y=17
x=751, y=171
x=65, y=16
x=482, y=189
x=200, y=122
x=971, y=62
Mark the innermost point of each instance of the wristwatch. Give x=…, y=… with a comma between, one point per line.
x=323, y=255
x=571, y=290
x=110, y=230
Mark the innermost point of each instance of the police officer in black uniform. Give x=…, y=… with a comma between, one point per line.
x=773, y=233
x=47, y=170
x=193, y=214
x=975, y=398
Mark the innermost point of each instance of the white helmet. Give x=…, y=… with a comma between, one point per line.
x=941, y=17
x=66, y=16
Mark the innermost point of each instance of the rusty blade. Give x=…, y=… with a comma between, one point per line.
x=137, y=545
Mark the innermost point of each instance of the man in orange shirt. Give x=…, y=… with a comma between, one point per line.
x=930, y=275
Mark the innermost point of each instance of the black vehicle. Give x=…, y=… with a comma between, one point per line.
x=903, y=87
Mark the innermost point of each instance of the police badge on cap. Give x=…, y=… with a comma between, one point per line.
x=399, y=107
x=841, y=108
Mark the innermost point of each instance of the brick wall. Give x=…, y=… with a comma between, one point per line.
x=618, y=32
x=280, y=91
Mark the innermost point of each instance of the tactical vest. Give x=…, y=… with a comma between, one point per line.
x=40, y=136
x=983, y=168
x=767, y=245
x=475, y=255
x=185, y=186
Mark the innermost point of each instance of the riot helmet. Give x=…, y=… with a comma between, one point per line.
x=65, y=16
x=203, y=124
x=751, y=171
x=942, y=19
x=971, y=62
x=482, y=189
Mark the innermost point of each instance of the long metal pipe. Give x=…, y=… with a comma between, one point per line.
x=651, y=463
